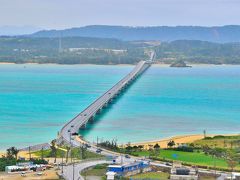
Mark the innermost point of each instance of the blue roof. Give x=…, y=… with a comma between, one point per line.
x=127, y=167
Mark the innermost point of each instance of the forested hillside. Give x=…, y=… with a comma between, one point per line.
x=69, y=50
x=78, y=50
x=220, y=34
x=199, y=52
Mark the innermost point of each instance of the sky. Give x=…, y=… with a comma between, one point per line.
x=60, y=14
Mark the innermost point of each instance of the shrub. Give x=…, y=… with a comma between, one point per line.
x=39, y=161
x=207, y=138
x=6, y=162
x=218, y=137
x=182, y=148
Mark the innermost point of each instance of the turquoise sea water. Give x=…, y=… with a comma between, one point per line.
x=36, y=100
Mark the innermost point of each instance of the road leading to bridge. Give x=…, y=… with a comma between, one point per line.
x=87, y=115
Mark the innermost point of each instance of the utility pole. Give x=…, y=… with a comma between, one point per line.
x=82, y=153
x=62, y=163
x=29, y=152
x=42, y=153
x=70, y=140
x=204, y=133
x=215, y=160
x=73, y=170
x=121, y=155
x=60, y=44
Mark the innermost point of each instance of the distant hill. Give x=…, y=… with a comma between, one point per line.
x=221, y=34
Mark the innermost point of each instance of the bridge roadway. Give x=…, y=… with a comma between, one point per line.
x=81, y=120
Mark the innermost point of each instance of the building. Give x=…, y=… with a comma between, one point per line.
x=25, y=167
x=178, y=172
x=128, y=169
x=110, y=175
x=234, y=176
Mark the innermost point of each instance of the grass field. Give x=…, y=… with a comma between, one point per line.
x=98, y=170
x=47, y=153
x=151, y=175
x=193, y=158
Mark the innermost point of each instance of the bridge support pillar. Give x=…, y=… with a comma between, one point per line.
x=83, y=127
x=91, y=119
x=110, y=101
x=105, y=105
x=99, y=111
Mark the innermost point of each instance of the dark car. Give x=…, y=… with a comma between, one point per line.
x=168, y=164
x=98, y=150
x=74, y=134
x=127, y=156
x=88, y=145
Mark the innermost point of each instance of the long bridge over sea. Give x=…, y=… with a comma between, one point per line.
x=87, y=115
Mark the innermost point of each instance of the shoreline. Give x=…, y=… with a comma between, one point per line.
x=178, y=139
x=56, y=64
x=156, y=64
x=162, y=142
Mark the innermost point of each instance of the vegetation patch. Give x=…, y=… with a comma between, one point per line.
x=98, y=170
x=151, y=175
x=75, y=153
x=219, y=141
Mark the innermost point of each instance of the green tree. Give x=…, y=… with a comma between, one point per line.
x=171, y=143
x=54, y=150
x=232, y=160
x=67, y=153
x=156, y=149
x=129, y=149
x=12, y=152
x=135, y=148
x=83, y=150
x=140, y=147
x=156, y=146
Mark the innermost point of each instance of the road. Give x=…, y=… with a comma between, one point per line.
x=78, y=168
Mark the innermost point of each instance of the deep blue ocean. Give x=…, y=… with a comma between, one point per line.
x=36, y=100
